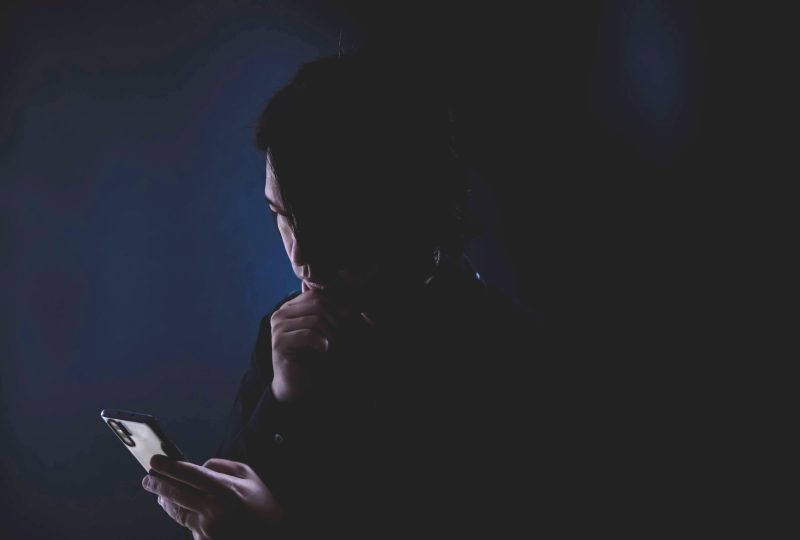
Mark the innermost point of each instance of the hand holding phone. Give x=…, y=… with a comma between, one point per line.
x=221, y=498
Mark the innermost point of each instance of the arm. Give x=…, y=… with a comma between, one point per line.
x=284, y=434
x=262, y=431
x=278, y=454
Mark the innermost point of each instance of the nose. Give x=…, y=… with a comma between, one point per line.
x=310, y=267
x=301, y=261
x=296, y=254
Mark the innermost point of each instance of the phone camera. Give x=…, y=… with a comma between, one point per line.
x=122, y=432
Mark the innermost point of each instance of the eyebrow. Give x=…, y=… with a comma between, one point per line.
x=278, y=208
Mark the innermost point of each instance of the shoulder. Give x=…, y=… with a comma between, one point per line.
x=504, y=323
x=494, y=309
x=466, y=297
x=481, y=318
x=508, y=307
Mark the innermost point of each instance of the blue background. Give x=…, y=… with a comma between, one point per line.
x=138, y=256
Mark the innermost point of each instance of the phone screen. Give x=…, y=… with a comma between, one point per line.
x=141, y=434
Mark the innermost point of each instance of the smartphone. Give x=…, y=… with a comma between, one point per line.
x=141, y=434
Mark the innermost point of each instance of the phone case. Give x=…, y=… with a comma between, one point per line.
x=141, y=435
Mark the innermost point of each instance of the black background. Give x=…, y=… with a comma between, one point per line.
x=609, y=139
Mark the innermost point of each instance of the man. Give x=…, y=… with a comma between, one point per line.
x=392, y=394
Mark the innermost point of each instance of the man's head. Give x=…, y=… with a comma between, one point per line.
x=362, y=175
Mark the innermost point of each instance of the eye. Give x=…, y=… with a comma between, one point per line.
x=274, y=217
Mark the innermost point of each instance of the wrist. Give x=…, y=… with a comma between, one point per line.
x=280, y=390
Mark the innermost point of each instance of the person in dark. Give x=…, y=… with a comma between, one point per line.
x=393, y=393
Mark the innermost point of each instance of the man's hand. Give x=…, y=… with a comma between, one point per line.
x=303, y=330
x=220, y=500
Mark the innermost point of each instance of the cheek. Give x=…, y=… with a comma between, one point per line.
x=286, y=235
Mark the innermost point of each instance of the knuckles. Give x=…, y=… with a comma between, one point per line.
x=276, y=319
x=305, y=333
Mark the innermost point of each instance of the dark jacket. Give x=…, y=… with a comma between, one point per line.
x=428, y=427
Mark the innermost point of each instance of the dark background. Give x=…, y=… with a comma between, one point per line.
x=137, y=256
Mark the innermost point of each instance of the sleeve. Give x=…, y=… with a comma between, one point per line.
x=252, y=385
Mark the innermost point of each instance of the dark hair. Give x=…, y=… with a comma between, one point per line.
x=365, y=160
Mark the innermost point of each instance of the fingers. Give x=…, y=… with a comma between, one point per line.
x=194, y=475
x=182, y=516
x=337, y=304
x=232, y=468
x=251, y=488
x=314, y=305
x=175, y=492
x=302, y=339
x=312, y=322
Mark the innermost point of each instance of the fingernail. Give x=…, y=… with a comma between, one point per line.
x=147, y=481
